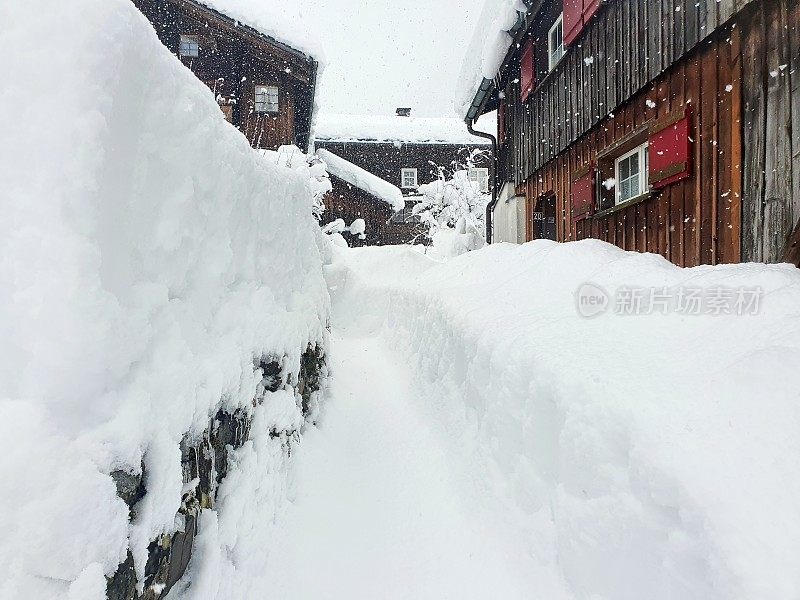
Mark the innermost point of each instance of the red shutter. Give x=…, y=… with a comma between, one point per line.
x=573, y=20
x=590, y=8
x=527, y=72
x=670, y=150
x=583, y=193
x=577, y=14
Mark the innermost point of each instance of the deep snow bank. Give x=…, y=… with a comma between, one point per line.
x=649, y=456
x=150, y=264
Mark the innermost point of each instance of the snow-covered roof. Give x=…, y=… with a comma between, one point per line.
x=278, y=20
x=487, y=49
x=379, y=128
x=355, y=175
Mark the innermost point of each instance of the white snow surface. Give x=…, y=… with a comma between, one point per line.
x=619, y=457
x=486, y=51
x=380, y=507
x=362, y=179
x=380, y=128
x=147, y=257
x=283, y=21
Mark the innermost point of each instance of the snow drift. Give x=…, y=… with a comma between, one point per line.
x=645, y=456
x=148, y=258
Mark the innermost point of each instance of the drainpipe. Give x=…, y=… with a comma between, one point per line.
x=490, y=207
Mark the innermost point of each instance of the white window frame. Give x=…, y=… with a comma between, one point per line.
x=265, y=105
x=555, y=53
x=644, y=185
x=189, y=45
x=407, y=214
x=412, y=173
x=480, y=176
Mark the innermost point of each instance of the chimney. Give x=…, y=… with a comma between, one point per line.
x=403, y=112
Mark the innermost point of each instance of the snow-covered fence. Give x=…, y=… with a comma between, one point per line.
x=163, y=318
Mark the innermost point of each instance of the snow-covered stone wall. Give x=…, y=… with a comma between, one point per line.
x=162, y=317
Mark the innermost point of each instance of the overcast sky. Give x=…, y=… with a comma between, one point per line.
x=382, y=54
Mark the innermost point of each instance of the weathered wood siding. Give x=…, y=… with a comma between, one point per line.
x=347, y=202
x=695, y=221
x=771, y=102
x=232, y=60
x=387, y=159
x=628, y=45
x=268, y=130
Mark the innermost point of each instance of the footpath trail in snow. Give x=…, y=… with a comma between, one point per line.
x=378, y=512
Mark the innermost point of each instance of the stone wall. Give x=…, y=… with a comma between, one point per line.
x=205, y=461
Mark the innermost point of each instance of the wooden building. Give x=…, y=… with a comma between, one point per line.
x=664, y=126
x=384, y=226
x=404, y=151
x=263, y=86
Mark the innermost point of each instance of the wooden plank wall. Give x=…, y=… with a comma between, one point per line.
x=695, y=221
x=266, y=130
x=771, y=202
x=628, y=45
x=232, y=60
x=349, y=203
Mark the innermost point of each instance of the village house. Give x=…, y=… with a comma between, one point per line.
x=405, y=152
x=664, y=126
x=263, y=86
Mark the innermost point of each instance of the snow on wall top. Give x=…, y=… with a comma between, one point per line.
x=380, y=128
x=282, y=21
x=487, y=49
x=355, y=175
x=149, y=257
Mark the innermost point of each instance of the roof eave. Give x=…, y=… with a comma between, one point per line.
x=487, y=88
x=199, y=4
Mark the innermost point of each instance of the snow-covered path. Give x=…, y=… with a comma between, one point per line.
x=379, y=510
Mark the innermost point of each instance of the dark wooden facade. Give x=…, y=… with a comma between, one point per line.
x=383, y=226
x=732, y=66
x=232, y=60
x=386, y=160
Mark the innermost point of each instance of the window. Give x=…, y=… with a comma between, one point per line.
x=480, y=177
x=555, y=42
x=406, y=215
x=267, y=99
x=631, y=174
x=408, y=178
x=190, y=46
